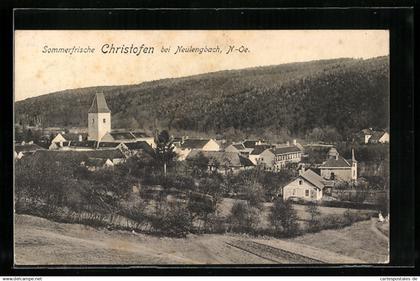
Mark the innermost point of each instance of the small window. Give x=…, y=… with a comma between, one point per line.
x=104, y=120
x=300, y=182
x=93, y=121
x=307, y=192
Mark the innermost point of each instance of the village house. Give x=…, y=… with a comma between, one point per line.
x=25, y=148
x=189, y=145
x=256, y=155
x=337, y=168
x=94, y=164
x=307, y=186
x=139, y=148
x=99, y=136
x=223, y=162
x=286, y=155
x=379, y=137
x=275, y=159
x=237, y=148
x=370, y=135
x=143, y=137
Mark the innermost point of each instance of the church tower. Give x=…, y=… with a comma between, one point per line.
x=99, y=118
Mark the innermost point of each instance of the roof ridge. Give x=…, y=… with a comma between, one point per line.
x=99, y=104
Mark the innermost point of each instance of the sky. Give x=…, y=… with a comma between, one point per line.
x=38, y=72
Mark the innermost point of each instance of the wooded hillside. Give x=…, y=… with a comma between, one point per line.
x=343, y=94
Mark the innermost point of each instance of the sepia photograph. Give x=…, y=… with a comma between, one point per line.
x=201, y=147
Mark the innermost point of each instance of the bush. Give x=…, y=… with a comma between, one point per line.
x=172, y=220
x=284, y=218
x=348, y=204
x=244, y=217
x=334, y=221
x=314, y=214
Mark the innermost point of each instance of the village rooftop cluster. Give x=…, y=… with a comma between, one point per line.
x=104, y=148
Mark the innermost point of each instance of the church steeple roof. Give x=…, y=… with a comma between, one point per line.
x=99, y=104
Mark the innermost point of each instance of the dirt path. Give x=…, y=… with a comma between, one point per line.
x=376, y=230
x=42, y=242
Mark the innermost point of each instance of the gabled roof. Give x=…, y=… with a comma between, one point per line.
x=99, y=104
x=122, y=136
x=376, y=135
x=27, y=147
x=106, y=154
x=108, y=144
x=259, y=149
x=313, y=178
x=230, y=159
x=194, y=143
x=140, y=135
x=239, y=146
x=77, y=156
x=84, y=144
x=340, y=162
x=286, y=149
x=250, y=143
x=74, y=137
x=139, y=145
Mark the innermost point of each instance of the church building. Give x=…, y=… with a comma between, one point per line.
x=99, y=118
x=338, y=168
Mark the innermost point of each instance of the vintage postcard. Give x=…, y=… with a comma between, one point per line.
x=156, y=147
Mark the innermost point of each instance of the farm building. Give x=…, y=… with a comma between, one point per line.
x=223, y=162
x=373, y=136
x=189, y=145
x=307, y=186
x=23, y=149
x=338, y=168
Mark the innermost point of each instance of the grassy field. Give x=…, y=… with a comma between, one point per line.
x=42, y=242
x=360, y=241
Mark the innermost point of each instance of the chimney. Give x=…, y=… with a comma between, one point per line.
x=294, y=142
x=336, y=156
x=353, y=159
x=80, y=138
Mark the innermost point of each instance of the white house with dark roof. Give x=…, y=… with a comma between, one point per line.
x=189, y=145
x=285, y=155
x=262, y=154
x=373, y=136
x=307, y=186
x=338, y=168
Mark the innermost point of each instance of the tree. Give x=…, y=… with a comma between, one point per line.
x=243, y=217
x=254, y=193
x=199, y=164
x=314, y=213
x=164, y=151
x=284, y=218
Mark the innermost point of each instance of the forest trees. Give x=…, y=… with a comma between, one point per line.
x=335, y=96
